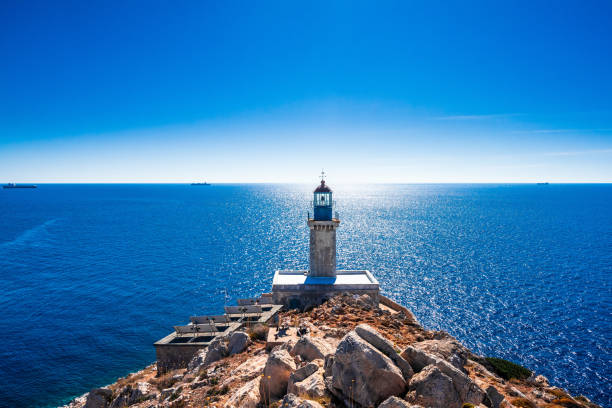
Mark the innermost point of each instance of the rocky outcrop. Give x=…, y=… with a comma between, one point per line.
x=386, y=347
x=247, y=396
x=98, y=398
x=238, y=342
x=467, y=390
x=279, y=367
x=293, y=401
x=433, y=389
x=361, y=373
x=214, y=352
x=341, y=363
x=311, y=348
x=395, y=402
x=447, y=349
x=307, y=381
x=129, y=395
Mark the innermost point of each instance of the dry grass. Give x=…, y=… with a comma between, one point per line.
x=164, y=381
x=523, y=403
x=259, y=332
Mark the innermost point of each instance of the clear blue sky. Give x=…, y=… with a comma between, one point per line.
x=102, y=91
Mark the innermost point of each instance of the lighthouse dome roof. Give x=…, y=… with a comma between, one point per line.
x=323, y=188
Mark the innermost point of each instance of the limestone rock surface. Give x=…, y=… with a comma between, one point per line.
x=279, y=367
x=309, y=348
x=308, y=382
x=133, y=394
x=383, y=345
x=433, y=389
x=238, y=342
x=395, y=402
x=447, y=349
x=293, y=401
x=98, y=398
x=247, y=396
x=364, y=374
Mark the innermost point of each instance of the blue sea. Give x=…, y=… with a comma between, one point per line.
x=92, y=275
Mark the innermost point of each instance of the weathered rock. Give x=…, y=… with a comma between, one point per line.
x=304, y=372
x=129, y=395
x=307, y=382
x=433, y=389
x=418, y=359
x=196, y=361
x=293, y=401
x=364, y=374
x=468, y=390
x=238, y=342
x=247, y=396
x=166, y=392
x=216, y=351
x=198, y=384
x=395, y=402
x=248, y=370
x=514, y=392
x=327, y=366
x=538, y=380
x=494, y=397
x=383, y=345
x=276, y=373
x=309, y=348
x=447, y=349
x=98, y=398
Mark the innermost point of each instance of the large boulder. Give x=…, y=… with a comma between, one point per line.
x=383, y=345
x=304, y=372
x=362, y=373
x=307, y=381
x=395, y=402
x=494, y=398
x=309, y=348
x=279, y=367
x=433, y=389
x=98, y=398
x=293, y=401
x=238, y=342
x=447, y=349
x=468, y=390
x=417, y=358
x=216, y=351
x=247, y=396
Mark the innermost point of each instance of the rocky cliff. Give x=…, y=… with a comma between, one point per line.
x=347, y=352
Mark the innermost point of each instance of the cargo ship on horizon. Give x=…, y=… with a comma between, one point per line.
x=13, y=185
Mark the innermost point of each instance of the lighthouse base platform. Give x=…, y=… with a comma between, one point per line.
x=298, y=290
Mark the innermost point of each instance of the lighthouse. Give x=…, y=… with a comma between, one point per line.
x=323, y=233
x=305, y=288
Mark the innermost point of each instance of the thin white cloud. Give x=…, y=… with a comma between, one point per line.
x=546, y=131
x=477, y=117
x=579, y=152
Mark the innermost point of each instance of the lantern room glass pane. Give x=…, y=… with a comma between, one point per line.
x=322, y=199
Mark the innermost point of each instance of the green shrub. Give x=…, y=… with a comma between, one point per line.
x=507, y=369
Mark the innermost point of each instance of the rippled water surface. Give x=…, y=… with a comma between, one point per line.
x=92, y=275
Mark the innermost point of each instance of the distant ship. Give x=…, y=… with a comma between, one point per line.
x=200, y=184
x=13, y=185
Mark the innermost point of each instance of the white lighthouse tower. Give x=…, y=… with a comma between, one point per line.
x=299, y=289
